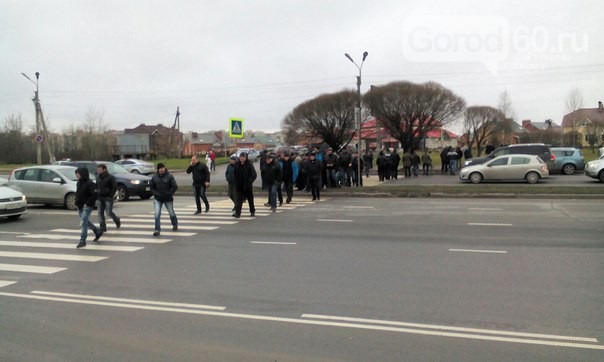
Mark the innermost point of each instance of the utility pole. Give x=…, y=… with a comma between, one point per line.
x=40, y=125
x=357, y=114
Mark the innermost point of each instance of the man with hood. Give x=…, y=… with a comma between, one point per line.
x=163, y=187
x=313, y=170
x=85, y=200
x=201, y=181
x=245, y=175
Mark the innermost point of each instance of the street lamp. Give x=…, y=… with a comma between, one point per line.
x=357, y=113
x=36, y=101
x=44, y=137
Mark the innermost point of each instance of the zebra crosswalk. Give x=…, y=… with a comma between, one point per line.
x=57, y=245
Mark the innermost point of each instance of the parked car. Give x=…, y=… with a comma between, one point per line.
x=252, y=153
x=137, y=166
x=595, y=169
x=128, y=184
x=13, y=203
x=50, y=185
x=529, y=168
x=568, y=160
x=537, y=149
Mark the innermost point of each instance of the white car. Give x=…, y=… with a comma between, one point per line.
x=13, y=204
x=50, y=184
x=252, y=154
x=529, y=168
x=137, y=166
x=595, y=169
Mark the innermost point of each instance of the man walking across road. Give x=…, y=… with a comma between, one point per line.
x=272, y=178
x=229, y=174
x=85, y=199
x=245, y=175
x=201, y=181
x=313, y=170
x=106, y=187
x=163, y=187
x=290, y=175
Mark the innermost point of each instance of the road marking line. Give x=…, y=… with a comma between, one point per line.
x=12, y=232
x=219, y=222
x=334, y=220
x=480, y=251
x=372, y=327
x=137, y=301
x=487, y=224
x=451, y=328
x=272, y=242
x=187, y=218
x=104, y=238
x=30, y=268
x=49, y=256
x=6, y=283
x=484, y=209
x=89, y=246
x=124, y=232
x=180, y=227
x=359, y=207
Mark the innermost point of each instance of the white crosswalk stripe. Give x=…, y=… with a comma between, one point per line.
x=136, y=229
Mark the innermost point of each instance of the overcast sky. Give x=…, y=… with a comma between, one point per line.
x=137, y=60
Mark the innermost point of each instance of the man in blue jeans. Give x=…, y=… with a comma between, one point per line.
x=85, y=199
x=163, y=187
x=106, y=187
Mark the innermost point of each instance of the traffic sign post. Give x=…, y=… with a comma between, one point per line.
x=236, y=128
x=39, y=138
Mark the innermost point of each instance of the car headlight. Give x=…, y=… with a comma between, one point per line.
x=135, y=182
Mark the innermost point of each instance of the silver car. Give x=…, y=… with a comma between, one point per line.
x=529, y=168
x=13, y=204
x=51, y=185
x=137, y=166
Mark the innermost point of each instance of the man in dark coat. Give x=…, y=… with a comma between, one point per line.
x=163, y=187
x=106, y=187
x=272, y=178
x=201, y=181
x=313, y=171
x=245, y=175
x=85, y=200
x=229, y=175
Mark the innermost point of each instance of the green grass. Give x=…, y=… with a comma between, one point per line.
x=183, y=163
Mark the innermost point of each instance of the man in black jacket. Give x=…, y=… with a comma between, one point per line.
x=201, y=180
x=163, y=187
x=272, y=178
x=313, y=170
x=106, y=187
x=245, y=175
x=85, y=199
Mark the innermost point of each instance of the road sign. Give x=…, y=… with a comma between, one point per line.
x=236, y=128
x=39, y=138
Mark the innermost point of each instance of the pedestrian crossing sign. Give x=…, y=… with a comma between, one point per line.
x=236, y=128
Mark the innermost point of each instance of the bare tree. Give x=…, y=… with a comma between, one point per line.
x=505, y=105
x=328, y=116
x=15, y=145
x=409, y=110
x=480, y=122
x=574, y=100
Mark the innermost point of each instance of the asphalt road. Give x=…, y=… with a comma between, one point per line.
x=342, y=279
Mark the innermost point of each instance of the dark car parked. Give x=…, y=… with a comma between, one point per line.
x=537, y=149
x=128, y=184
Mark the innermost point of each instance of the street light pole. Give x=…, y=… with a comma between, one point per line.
x=357, y=114
x=36, y=101
x=40, y=125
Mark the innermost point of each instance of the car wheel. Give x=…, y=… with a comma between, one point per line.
x=568, y=169
x=70, y=201
x=136, y=171
x=532, y=177
x=122, y=193
x=476, y=178
x=601, y=176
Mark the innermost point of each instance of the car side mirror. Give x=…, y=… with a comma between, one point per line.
x=58, y=180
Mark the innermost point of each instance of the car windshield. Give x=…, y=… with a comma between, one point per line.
x=115, y=168
x=68, y=172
